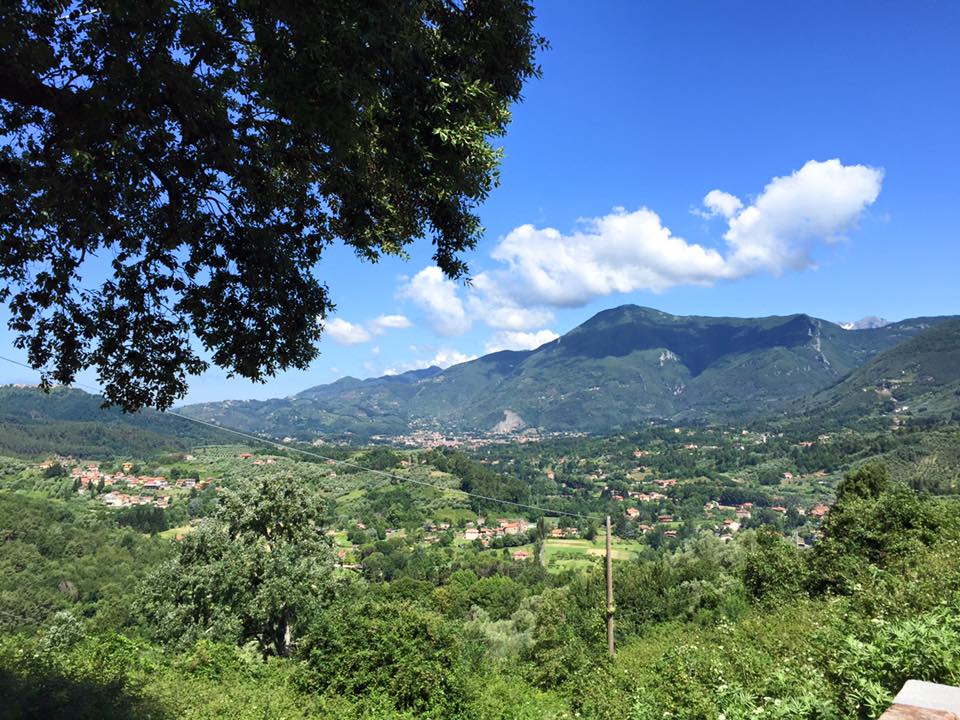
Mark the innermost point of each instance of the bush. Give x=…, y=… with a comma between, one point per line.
x=361, y=648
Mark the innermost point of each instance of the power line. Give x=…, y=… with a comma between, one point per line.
x=347, y=463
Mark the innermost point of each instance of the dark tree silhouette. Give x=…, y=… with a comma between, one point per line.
x=208, y=151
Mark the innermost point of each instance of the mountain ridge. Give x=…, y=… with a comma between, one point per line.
x=623, y=366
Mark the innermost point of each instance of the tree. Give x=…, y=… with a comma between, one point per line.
x=868, y=481
x=773, y=568
x=396, y=650
x=208, y=152
x=256, y=571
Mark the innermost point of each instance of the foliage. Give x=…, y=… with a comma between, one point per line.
x=56, y=558
x=408, y=655
x=185, y=140
x=255, y=571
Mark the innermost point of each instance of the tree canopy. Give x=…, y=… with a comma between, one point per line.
x=206, y=153
x=256, y=571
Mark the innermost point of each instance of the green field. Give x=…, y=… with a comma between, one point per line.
x=568, y=553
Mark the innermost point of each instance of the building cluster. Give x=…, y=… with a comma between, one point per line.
x=505, y=527
x=143, y=489
x=121, y=500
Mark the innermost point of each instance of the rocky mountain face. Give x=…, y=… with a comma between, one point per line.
x=624, y=366
x=871, y=322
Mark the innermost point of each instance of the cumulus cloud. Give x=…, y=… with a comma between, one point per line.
x=487, y=300
x=722, y=203
x=628, y=251
x=388, y=322
x=437, y=296
x=346, y=333
x=443, y=358
x=820, y=201
x=513, y=340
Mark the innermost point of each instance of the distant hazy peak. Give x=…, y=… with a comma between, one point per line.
x=871, y=322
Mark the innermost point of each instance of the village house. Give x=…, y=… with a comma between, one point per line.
x=665, y=518
x=513, y=527
x=633, y=513
x=521, y=555
x=819, y=510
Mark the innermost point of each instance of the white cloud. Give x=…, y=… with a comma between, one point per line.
x=388, y=322
x=444, y=358
x=375, y=350
x=489, y=302
x=513, y=340
x=437, y=296
x=722, y=203
x=627, y=251
x=346, y=333
x=820, y=201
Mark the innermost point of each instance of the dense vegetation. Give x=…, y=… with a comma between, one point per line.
x=107, y=627
x=274, y=583
x=72, y=422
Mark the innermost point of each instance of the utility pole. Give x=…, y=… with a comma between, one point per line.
x=610, y=646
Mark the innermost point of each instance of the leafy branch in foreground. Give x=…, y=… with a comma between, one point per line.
x=193, y=160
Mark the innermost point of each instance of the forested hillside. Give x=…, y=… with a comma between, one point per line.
x=72, y=422
x=917, y=380
x=752, y=628
x=622, y=367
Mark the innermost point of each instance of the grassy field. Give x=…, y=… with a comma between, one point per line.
x=568, y=554
x=171, y=533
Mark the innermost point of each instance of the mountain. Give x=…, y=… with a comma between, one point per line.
x=624, y=366
x=871, y=322
x=918, y=378
x=66, y=421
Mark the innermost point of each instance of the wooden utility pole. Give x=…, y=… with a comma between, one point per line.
x=610, y=646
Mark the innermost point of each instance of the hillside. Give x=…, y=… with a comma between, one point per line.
x=623, y=366
x=66, y=421
x=918, y=379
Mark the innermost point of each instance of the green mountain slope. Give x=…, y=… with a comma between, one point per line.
x=71, y=422
x=918, y=379
x=624, y=366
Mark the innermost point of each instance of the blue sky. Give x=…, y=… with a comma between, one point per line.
x=828, y=130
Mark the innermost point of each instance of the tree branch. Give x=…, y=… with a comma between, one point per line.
x=25, y=89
